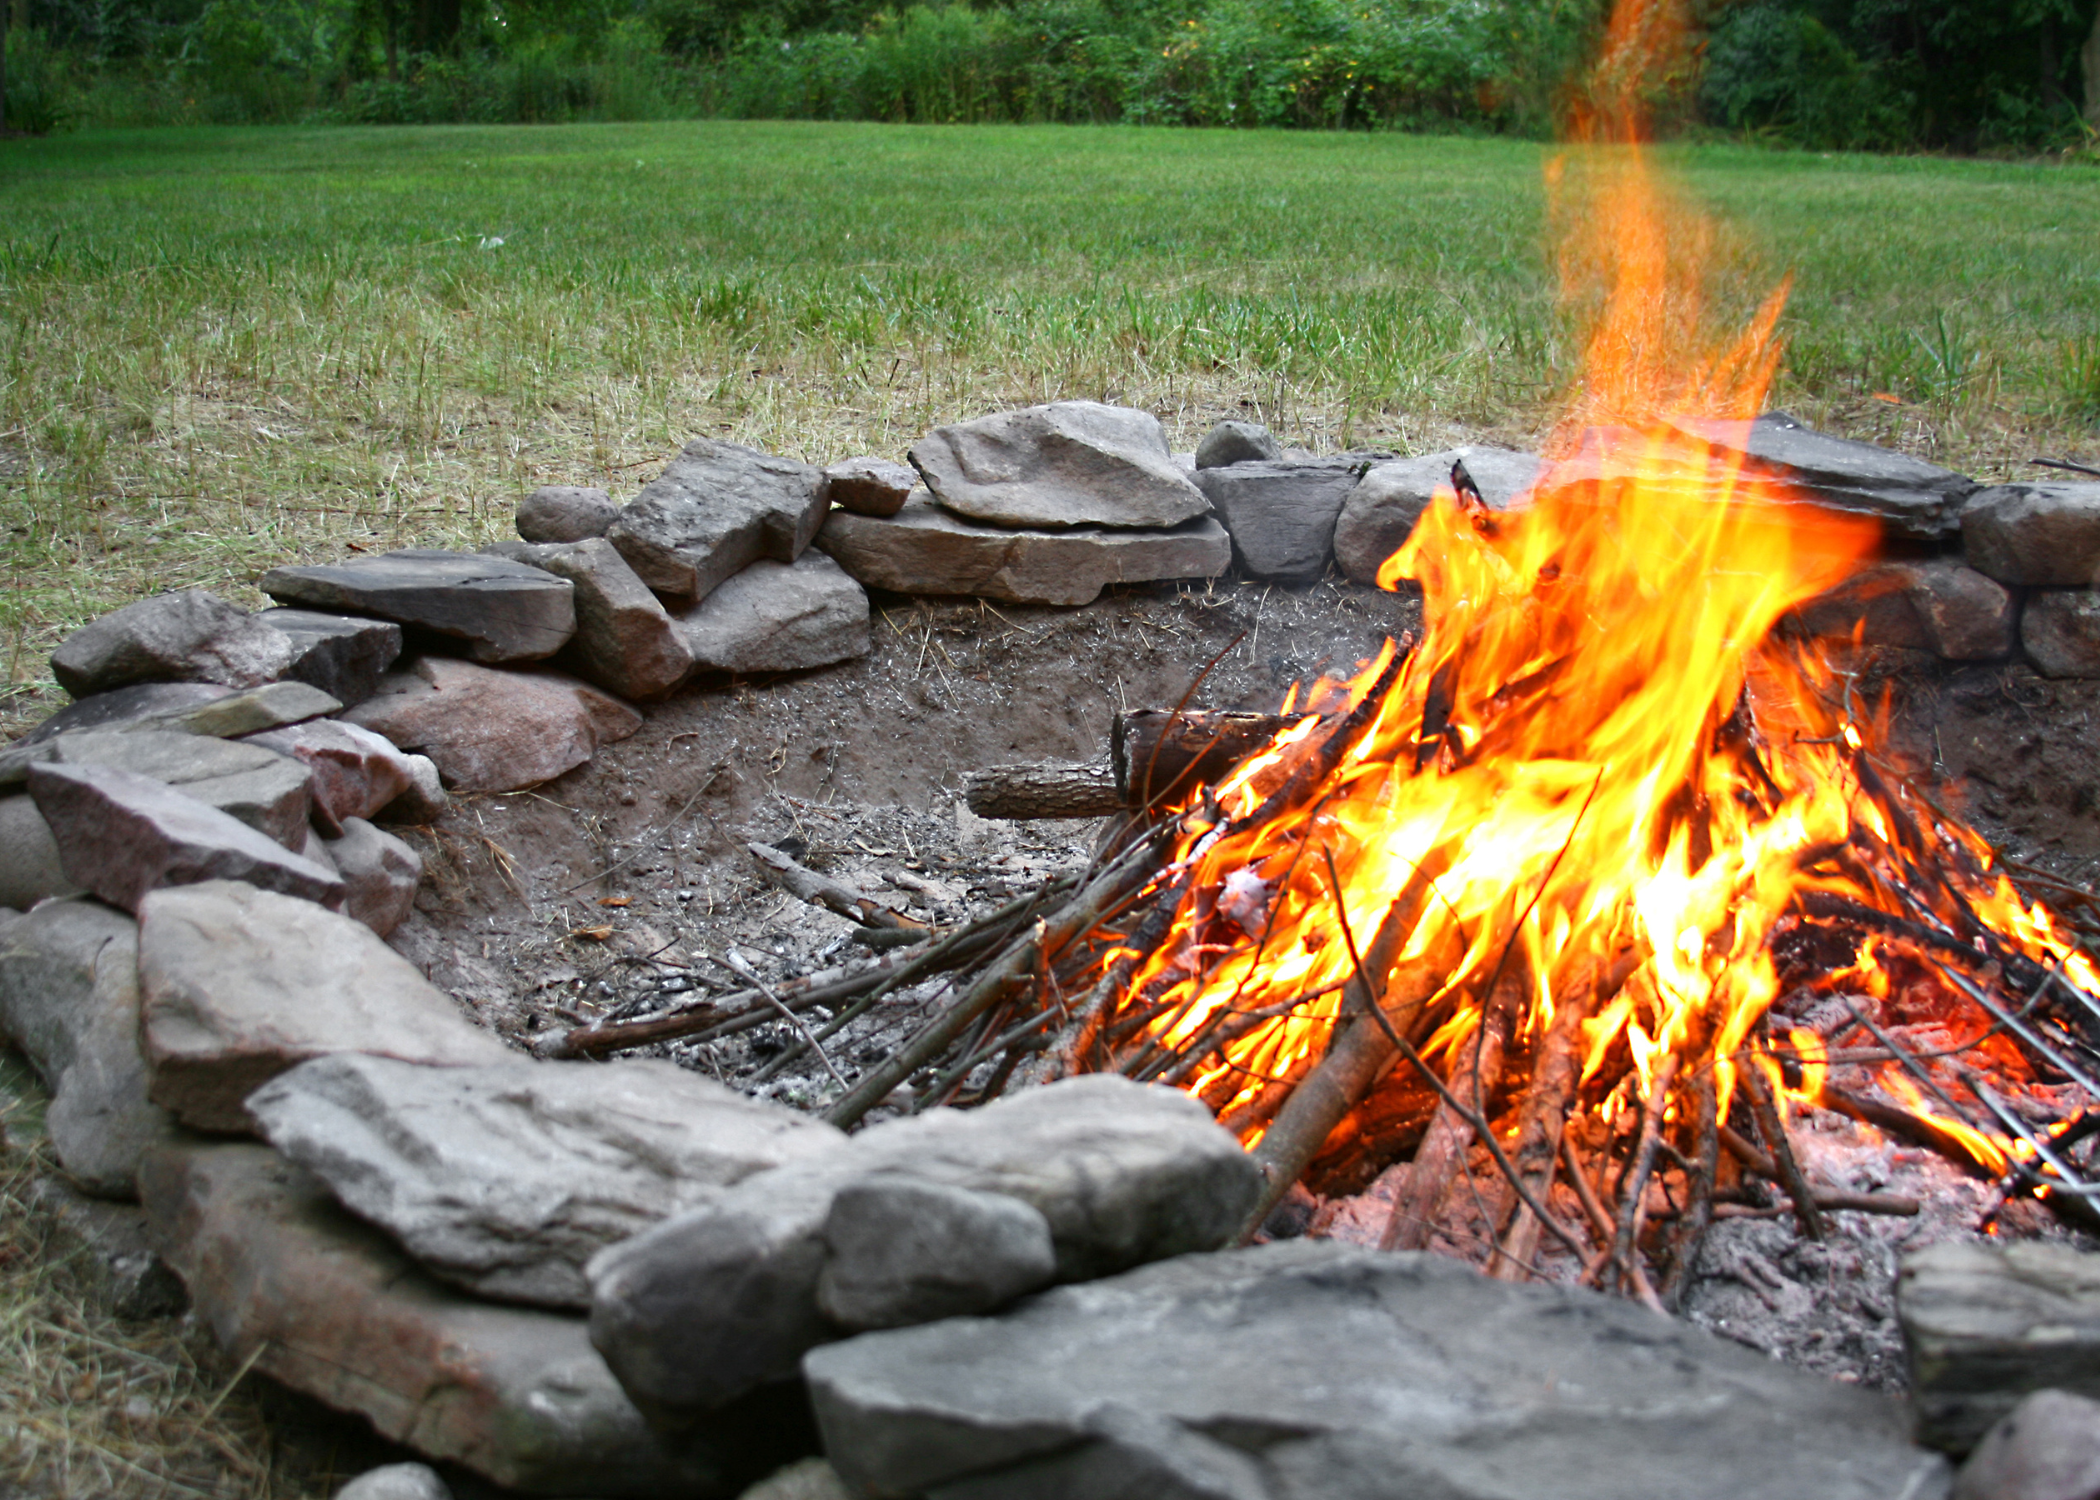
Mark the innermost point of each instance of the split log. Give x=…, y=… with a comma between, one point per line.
x=1043, y=792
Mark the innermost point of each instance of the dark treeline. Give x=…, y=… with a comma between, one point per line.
x=1962, y=75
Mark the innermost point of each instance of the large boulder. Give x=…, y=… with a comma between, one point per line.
x=30, y=868
x=778, y=617
x=504, y=611
x=870, y=486
x=1908, y=496
x=1281, y=515
x=624, y=640
x=925, y=550
x=1310, y=1370
x=342, y=655
x=354, y=772
x=565, y=513
x=189, y=636
x=2060, y=629
x=1072, y=463
x=507, y=1178
x=1380, y=513
x=2040, y=535
x=69, y=999
x=490, y=731
x=240, y=984
x=717, y=509
x=271, y=793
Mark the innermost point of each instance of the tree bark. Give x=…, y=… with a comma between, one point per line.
x=1042, y=792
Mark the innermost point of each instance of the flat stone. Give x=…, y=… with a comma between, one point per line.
x=250, y=711
x=1071, y=463
x=424, y=801
x=507, y=1178
x=900, y=1251
x=718, y=1300
x=1380, y=513
x=1310, y=1370
x=2039, y=535
x=1281, y=516
x=624, y=640
x=30, y=868
x=286, y=1279
x=1986, y=1324
x=354, y=772
x=870, y=486
x=121, y=835
x=925, y=550
x=565, y=513
x=241, y=984
x=1237, y=443
x=779, y=617
x=1908, y=496
x=69, y=1000
x=145, y=700
x=490, y=731
x=2060, y=630
x=2046, y=1448
x=1936, y=605
x=396, y=1482
x=379, y=873
x=188, y=636
x=271, y=793
x=504, y=611
x=713, y=512
x=342, y=655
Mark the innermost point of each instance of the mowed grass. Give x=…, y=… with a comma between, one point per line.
x=222, y=349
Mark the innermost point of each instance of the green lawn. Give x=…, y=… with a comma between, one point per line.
x=225, y=347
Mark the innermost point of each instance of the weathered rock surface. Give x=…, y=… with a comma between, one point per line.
x=69, y=999
x=2046, y=1448
x=713, y=512
x=1237, y=443
x=284, y=1277
x=188, y=636
x=2041, y=535
x=490, y=731
x=353, y=771
x=778, y=617
x=1907, y=495
x=379, y=875
x=507, y=1178
x=565, y=513
x=1071, y=463
x=424, y=801
x=30, y=868
x=1309, y=1370
x=240, y=984
x=1986, y=1324
x=143, y=700
x=870, y=486
x=925, y=550
x=1936, y=605
x=1281, y=516
x=1380, y=513
x=720, y=1299
x=396, y=1482
x=899, y=1251
x=624, y=640
x=250, y=711
x=271, y=793
x=504, y=611
x=2060, y=629
x=342, y=655
x=121, y=835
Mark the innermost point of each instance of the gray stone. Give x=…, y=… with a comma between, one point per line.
x=2041, y=535
x=718, y=1300
x=240, y=984
x=624, y=639
x=810, y=1479
x=504, y=611
x=250, y=711
x=1071, y=463
x=110, y=1247
x=1908, y=496
x=900, y=1251
x=779, y=617
x=1936, y=605
x=1281, y=516
x=271, y=793
x=1309, y=1370
x=286, y=1280
x=69, y=999
x=122, y=835
x=342, y=655
x=424, y=801
x=1380, y=513
x=144, y=700
x=354, y=772
x=1237, y=443
x=870, y=486
x=507, y=1178
x=2060, y=630
x=2046, y=1448
x=565, y=513
x=30, y=868
x=713, y=512
x=490, y=731
x=189, y=636
x=1986, y=1324
x=379, y=874
x=925, y=550
x=396, y=1482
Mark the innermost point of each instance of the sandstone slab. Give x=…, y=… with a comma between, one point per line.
x=507, y=1178
x=250, y=711
x=145, y=700
x=2060, y=630
x=1309, y=1370
x=714, y=511
x=1071, y=463
x=624, y=641
x=353, y=772
x=30, y=868
x=1908, y=496
x=271, y=793
x=870, y=486
x=504, y=611
x=778, y=617
x=342, y=655
x=240, y=984
x=1936, y=605
x=1281, y=515
x=188, y=636
x=1380, y=513
x=490, y=731
x=565, y=513
x=925, y=550
x=2040, y=535
x=1237, y=443
x=379, y=875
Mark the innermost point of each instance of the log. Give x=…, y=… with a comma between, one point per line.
x=1041, y=791
x=1160, y=754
